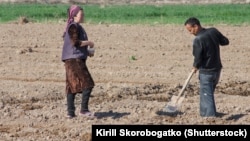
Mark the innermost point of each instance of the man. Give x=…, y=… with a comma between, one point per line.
x=206, y=52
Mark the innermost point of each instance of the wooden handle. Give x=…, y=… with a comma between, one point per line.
x=185, y=84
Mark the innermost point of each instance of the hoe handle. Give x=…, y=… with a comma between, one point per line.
x=186, y=82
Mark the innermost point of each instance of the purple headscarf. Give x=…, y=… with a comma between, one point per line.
x=72, y=12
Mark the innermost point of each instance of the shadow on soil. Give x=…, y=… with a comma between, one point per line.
x=171, y=114
x=114, y=115
x=235, y=117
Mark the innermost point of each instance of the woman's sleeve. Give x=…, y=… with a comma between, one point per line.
x=73, y=34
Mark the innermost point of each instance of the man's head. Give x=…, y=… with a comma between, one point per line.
x=193, y=25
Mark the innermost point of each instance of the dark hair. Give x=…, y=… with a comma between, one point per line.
x=192, y=21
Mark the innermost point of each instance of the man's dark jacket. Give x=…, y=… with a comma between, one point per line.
x=206, y=49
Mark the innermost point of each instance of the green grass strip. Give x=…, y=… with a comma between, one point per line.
x=233, y=14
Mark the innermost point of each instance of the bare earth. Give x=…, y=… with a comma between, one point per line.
x=137, y=69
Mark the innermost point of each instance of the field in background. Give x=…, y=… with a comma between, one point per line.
x=233, y=14
x=137, y=68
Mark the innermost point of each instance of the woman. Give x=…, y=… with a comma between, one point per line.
x=74, y=55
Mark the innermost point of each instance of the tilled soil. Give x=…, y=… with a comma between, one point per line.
x=136, y=68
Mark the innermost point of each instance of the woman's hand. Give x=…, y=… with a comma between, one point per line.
x=87, y=43
x=91, y=44
x=91, y=51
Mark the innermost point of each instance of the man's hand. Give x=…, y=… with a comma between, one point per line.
x=195, y=69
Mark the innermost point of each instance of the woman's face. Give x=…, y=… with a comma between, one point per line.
x=79, y=18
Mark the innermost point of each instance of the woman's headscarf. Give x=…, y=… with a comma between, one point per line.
x=72, y=12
